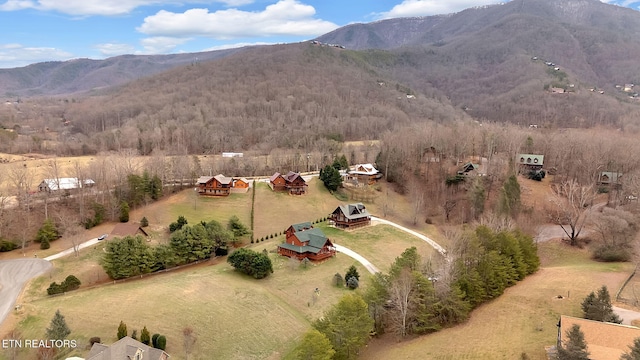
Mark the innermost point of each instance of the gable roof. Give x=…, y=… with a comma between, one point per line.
x=292, y=176
x=66, y=183
x=605, y=341
x=530, y=159
x=223, y=179
x=353, y=211
x=314, y=240
x=364, y=169
x=127, y=229
x=611, y=176
x=204, y=179
x=274, y=177
x=302, y=226
x=125, y=349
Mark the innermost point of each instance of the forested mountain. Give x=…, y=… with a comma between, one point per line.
x=544, y=62
x=81, y=75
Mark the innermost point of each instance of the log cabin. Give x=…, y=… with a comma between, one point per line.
x=305, y=241
x=350, y=216
x=218, y=185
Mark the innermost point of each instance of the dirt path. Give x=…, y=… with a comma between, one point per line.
x=14, y=274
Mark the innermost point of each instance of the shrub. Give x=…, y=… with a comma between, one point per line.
x=338, y=280
x=54, y=289
x=94, y=340
x=144, y=222
x=134, y=334
x=178, y=224
x=353, y=283
x=7, y=246
x=154, y=340
x=71, y=283
x=145, y=337
x=251, y=263
x=162, y=342
x=44, y=244
x=612, y=253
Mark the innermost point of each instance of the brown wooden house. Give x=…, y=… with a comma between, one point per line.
x=291, y=182
x=218, y=185
x=350, y=216
x=305, y=241
x=240, y=185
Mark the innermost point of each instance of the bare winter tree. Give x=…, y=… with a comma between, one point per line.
x=572, y=203
x=400, y=296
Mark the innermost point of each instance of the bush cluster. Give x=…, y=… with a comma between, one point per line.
x=251, y=263
x=70, y=283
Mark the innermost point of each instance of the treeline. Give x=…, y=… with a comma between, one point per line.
x=415, y=298
x=131, y=256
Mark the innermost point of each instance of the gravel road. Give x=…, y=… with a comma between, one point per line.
x=13, y=276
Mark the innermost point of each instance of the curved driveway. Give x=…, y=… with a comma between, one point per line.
x=433, y=244
x=13, y=275
x=372, y=269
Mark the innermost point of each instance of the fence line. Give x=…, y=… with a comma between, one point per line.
x=625, y=283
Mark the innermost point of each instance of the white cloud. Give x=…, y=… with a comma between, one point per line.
x=98, y=7
x=114, y=49
x=286, y=17
x=161, y=44
x=16, y=55
x=410, y=8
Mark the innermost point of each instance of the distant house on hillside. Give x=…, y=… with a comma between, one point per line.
x=365, y=173
x=529, y=162
x=53, y=185
x=350, y=216
x=127, y=229
x=305, y=241
x=292, y=182
x=469, y=169
x=126, y=349
x=605, y=341
x=610, y=178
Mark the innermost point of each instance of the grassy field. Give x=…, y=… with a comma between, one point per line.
x=523, y=320
x=235, y=317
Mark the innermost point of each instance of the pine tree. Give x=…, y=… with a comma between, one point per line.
x=575, y=348
x=635, y=351
x=122, y=330
x=598, y=307
x=58, y=329
x=351, y=272
x=145, y=336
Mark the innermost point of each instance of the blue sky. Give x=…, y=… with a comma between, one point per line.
x=46, y=30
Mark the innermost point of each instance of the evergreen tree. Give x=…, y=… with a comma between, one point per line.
x=58, y=329
x=314, y=346
x=347, y=325
x=598, y=307
x=634, y=354
x=145, y=336
x=122, y=330
x=124, y=212
x=154, y=340
x=351, y=272
x=238, y=228
x=477, y=196
x=331, y=178
x=338, y=280
x=509, y=200
x=162, y=342
x=144, y=222
x=47, y=233
x=353, y=283
x=134, y=334
x=575, y=348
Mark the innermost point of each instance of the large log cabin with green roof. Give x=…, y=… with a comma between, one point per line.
x=304, y=241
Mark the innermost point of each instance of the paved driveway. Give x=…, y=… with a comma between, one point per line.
x=13, y=276
x=372, y=269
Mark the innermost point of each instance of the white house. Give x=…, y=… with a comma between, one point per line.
x=64, y=184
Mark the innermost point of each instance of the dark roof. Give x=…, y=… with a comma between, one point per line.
x=353, y=211
x=126, y=229
x=125, y=349
x=301, y=226
x=291, y=176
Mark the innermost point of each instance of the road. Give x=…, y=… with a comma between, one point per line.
x=70, y=251
x=626, y=315
x=14, y=274
x=370, y=267
x=433, y=244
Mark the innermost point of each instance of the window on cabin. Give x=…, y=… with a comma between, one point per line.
x=528, y=160
x=535, y=161
x=521, y=159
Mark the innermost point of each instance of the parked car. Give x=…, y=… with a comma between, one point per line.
x=102, y=237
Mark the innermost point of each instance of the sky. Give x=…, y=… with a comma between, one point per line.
x=57, y=30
